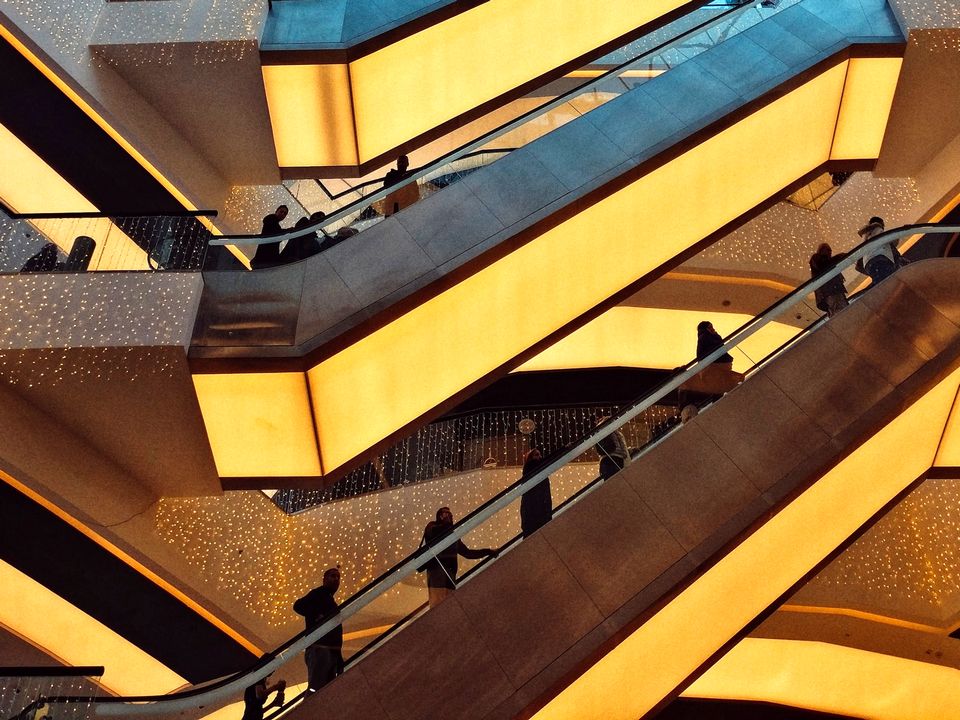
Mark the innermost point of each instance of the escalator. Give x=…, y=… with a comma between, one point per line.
x=389, y=78
x=641, y=582
x=388, y=329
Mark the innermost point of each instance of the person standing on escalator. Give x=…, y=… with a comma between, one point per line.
x=442, y=570
x=536, y=505
x=255, y=698
x=268, y=254
x=612, y=449
x=324, y=658
x=832, y=296
x=708, y=340
x=881, y=262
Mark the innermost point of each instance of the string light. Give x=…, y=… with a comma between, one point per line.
x=243, y=546
x=907, y=565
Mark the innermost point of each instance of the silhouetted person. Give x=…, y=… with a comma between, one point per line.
x=399, y=173
x=709, y=340
x=832, y=296
x=255, y=698
x=43, y=260
x=613, y=451
x=401, y=197
x=688, y=413
x=307, y=244
x=268, y=254
x=442, y=570
x=536, y=505
x=324, y=658
x=881, y=262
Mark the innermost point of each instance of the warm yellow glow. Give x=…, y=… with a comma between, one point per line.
x=392, y=376
x=730, y=280
x=863, y=615
x=259, y=424
x=832, y=679
x=653, y=338
x=129, y=560
x=423, y=80
x=639, y=73
x=867, y=97
x=88, y=110
x=56, y=626
x=311, y=114
x=948, y=454
x=30, y=185
x=722, y=601
x=477, y=55
x=489, y=44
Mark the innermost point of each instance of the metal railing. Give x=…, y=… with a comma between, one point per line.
x=96, y=241
x=363, y=207
x=234, y=685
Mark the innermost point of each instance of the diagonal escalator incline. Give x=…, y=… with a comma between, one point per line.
x=615, y=605
x=432, y=303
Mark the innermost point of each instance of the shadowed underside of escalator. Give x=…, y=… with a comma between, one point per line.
x=615, y=606
x=350, y=349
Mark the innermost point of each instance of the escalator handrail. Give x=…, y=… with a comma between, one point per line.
x=232, y=685
x=379, y=180
x=476, y=144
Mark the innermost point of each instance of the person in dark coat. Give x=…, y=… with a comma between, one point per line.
x=268, y=254
x=307, y=244
x=324, y=658
x=399, y=173
x=442, y=570
x=831, y=297
x=255, y=698
x=613, y=450
x=709, y=340
x=536, y=505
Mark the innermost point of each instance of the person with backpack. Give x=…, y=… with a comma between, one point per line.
x=881, y=262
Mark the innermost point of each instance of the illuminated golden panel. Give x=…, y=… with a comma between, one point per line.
x=129, y=560
x=832, y=679
x=88, y=110
x=28, y=184
x=392, y=376
x=639, y=73
x=259, y=424
x=310, y=112
x=948, y=454
x=449, y=68
x=863, y=615
x=719, y=604
x=69, y=634
x=867, y=97
x=653, y=338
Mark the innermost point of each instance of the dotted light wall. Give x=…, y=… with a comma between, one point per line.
x=907, y=565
